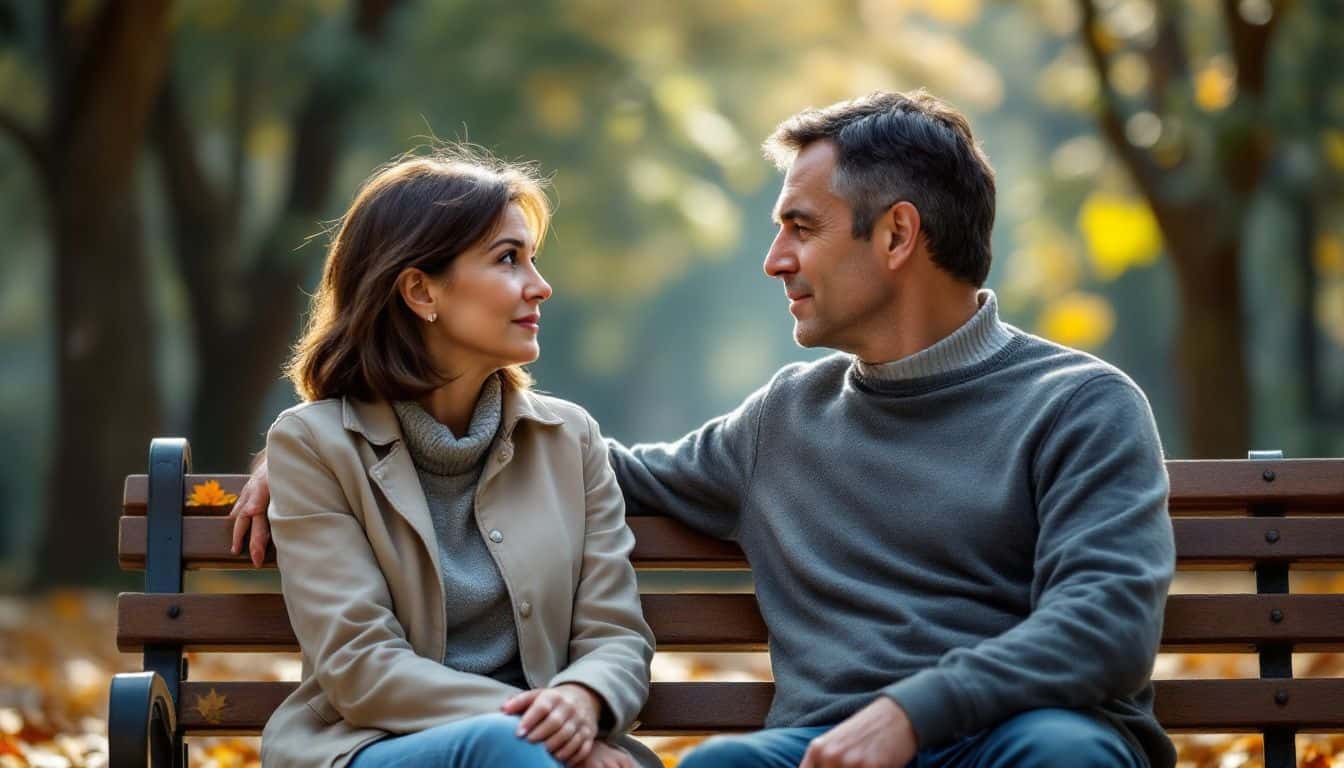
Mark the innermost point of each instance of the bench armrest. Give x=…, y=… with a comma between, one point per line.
x=141, y=722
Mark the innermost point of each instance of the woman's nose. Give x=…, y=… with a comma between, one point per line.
x=537, y=288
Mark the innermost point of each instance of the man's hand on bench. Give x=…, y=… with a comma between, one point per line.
x=250, y=513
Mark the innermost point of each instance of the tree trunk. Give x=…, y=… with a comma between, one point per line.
x=241, y=344
x=107, y=398
x=1214, y=387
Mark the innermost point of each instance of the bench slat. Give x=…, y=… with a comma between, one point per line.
x=695, y=708
x=728, y=622
x=259, y=622
x=661, y=543
x=1194, y=484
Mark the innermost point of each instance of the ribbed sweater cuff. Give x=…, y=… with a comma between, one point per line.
x=930, y=700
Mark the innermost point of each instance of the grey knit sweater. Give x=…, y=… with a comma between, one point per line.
x=482, y=638
x=974, y=536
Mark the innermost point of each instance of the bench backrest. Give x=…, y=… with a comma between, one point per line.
x=1261, y=516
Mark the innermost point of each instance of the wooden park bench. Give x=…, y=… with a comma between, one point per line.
x=1262, y=514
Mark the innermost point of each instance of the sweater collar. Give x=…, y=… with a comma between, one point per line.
x=377, y=422
x=433, y=445
x=977, y=340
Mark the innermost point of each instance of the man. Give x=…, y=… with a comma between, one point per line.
x=957, y=530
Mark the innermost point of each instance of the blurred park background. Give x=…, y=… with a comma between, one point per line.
x=1170, y=198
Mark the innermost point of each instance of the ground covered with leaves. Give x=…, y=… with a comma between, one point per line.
x=58, y=653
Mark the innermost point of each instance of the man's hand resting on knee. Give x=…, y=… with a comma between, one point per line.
x=877, y=736
x=250, y=512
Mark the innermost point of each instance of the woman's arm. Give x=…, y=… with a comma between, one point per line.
x=340, y=606
x=610, y=644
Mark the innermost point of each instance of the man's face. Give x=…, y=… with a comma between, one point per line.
x=836, y=284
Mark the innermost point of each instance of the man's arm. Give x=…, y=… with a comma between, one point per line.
x=701, y=479
x=249, y=513
x=1104, y=560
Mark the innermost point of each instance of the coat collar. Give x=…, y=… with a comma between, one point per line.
x=377, y=422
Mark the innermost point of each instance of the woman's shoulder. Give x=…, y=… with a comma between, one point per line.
x=314, y=415
x=574, y=418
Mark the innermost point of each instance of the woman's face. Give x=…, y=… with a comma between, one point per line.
x=489, y=301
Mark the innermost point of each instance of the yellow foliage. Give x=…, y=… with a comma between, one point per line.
x=958, y=12
x=1121, y=233
x=1332, y=143
x=1329, y=256
x=1080, y=320
x=625, y=125
x=1042, y=270
x=269, y=139
x=1330, y=311
x=715, y=221
x=678, y=94
x=210, y=495
x=556, y=104
x=1215, y=84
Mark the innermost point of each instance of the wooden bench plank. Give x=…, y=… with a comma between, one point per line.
x=259, y=622
x=695, y=708
x=1224, y=483
x=661, y=543
x=728, y=622
x=1194, y=484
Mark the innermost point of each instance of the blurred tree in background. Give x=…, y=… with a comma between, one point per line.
x=164, y=167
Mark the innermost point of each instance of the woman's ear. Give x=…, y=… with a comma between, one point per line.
x=414, y=286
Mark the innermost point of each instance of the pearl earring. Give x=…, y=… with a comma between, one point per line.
x=433, y=316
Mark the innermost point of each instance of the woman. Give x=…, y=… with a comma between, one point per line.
x=452, y=547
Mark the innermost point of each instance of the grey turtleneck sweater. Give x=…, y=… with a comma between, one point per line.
x=974, y=531
x=482, y=638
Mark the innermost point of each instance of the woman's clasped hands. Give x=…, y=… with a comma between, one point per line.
x=564, y=719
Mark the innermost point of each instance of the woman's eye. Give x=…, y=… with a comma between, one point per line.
x=509, y=257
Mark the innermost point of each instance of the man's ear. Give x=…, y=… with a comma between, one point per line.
x=413, y=285
x=896, y=233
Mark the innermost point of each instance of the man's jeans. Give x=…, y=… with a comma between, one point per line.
x=1041, y=738
x=476, y=742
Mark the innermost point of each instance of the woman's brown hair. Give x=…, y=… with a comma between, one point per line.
x=421, y=211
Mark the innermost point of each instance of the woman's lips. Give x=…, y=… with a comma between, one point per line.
x=531, y=322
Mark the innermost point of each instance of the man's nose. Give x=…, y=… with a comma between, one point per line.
x=781, y=259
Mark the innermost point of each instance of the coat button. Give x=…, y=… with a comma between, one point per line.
x=502, y=457
x=524, y=609
x=496, y=536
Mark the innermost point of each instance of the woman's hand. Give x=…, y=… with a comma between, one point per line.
x=564, y=717
x=606, y=756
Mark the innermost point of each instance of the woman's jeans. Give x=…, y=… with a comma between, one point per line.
x=1041, y=738
x=476, y=742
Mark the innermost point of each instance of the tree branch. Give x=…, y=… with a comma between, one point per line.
x=1250, y=46
x=1141, y=167
x=1168, y=61
x=244, y=109
x=195, y=211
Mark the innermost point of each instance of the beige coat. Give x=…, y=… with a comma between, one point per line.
x=359, y=567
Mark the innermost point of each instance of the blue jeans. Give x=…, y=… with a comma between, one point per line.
x=476, y=742
x=1040, y=738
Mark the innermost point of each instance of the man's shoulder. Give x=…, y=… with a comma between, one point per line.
x=1054, y=365
x=825, y=371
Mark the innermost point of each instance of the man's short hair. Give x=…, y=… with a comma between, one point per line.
x=912, y=147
